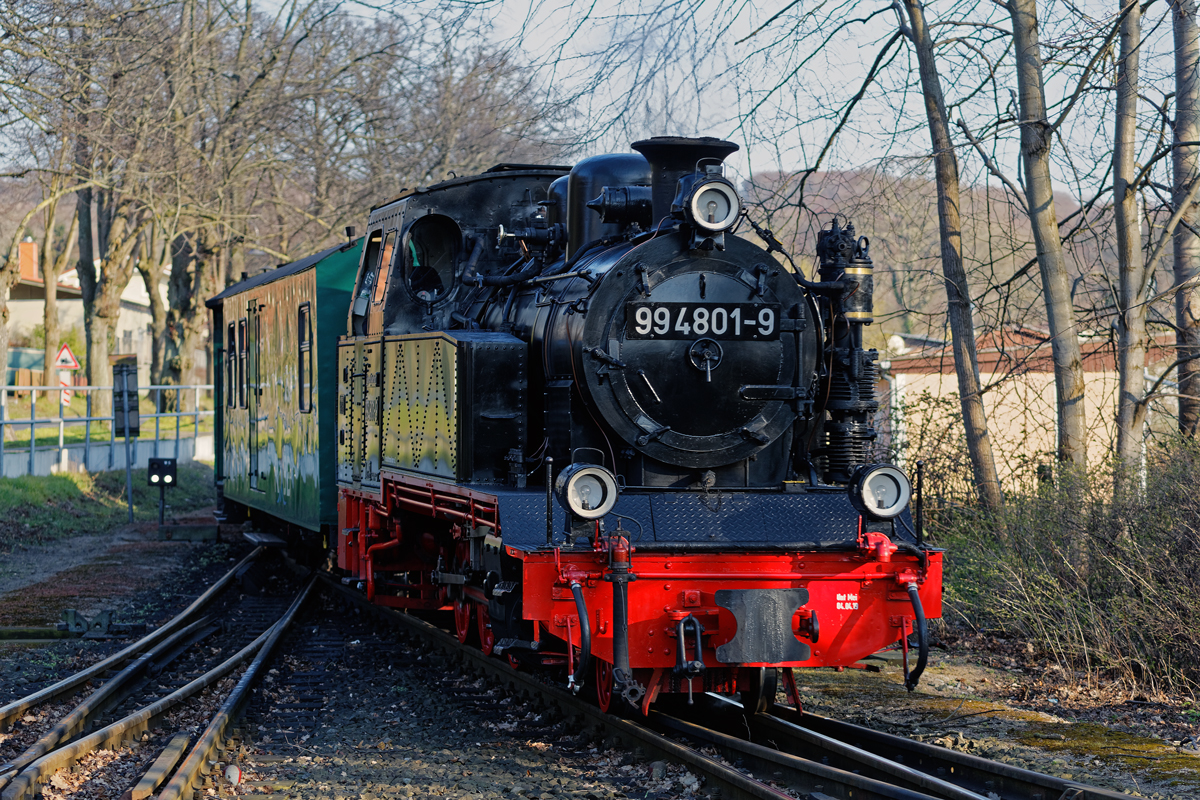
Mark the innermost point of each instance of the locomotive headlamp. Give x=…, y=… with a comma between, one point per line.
x=586, y=490
x=713, y=205
x=880, y=491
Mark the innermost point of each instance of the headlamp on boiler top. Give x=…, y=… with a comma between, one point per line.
x=713, y=205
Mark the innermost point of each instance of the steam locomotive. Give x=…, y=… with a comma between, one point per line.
x=576, y=408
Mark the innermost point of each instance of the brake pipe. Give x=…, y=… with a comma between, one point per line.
x=575, y=682
x=620, y=576
x=910, y=680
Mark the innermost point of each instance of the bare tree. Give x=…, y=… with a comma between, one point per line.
x=54, y=263
x=1186, y=162
x=958, y=293
x=218, y=138
x=1036, y=138
x=1132, y=309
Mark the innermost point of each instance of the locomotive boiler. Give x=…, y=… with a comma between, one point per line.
x=580, y=409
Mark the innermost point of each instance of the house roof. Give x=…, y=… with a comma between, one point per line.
x=1022, y=349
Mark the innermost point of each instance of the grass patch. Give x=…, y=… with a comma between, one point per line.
x=41, y=509
x=1133, y=753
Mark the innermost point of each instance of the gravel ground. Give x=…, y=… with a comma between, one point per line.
x=400, y=722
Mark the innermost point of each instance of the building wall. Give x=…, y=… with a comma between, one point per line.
x=133, y=327
x=1022, y=414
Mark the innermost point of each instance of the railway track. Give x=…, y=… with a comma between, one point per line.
x=809, y=746
x=118, y=700
x=778, y=754
x=782, y=753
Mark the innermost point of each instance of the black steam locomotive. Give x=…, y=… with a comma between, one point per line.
x=577, y=408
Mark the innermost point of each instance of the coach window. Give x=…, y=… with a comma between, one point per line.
x=306, y=361
x=231, y=367
x=385, y=266
x=241, y=356
x=431, y=249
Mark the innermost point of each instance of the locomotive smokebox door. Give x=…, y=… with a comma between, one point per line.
x=764, y=626
x=673, y=339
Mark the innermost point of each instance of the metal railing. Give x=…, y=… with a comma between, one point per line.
x=149, y=396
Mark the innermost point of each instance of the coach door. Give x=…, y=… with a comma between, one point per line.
x=254, y=393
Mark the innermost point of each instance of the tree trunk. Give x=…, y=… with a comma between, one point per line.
x=52, y=268
x=1036, y=135
x=151, y=272
x=193, y=278
x=962, y=326
x=1131, y=306
x=4, y=289
x=49, y=309
x=1186, y=162
x=97, y=351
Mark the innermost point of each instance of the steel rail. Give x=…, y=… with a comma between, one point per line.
x=76, y=718
x=733, y=784
x=803, y=774
x=70, y=684
x=797, y=748
x=185, y=777
x=971, y=772
x=24, y=784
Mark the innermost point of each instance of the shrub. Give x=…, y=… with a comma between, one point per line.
x=1102, y=584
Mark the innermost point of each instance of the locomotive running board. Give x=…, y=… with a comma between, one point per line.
x=764, y=626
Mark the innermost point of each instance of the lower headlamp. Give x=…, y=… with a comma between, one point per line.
x=880, y=491
x=586, y=490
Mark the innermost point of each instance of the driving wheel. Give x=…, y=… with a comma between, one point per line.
x=757, y=688
x=487, y=638
x=604, y=684
x=462, y=620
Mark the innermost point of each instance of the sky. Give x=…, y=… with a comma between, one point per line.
x=648, y=68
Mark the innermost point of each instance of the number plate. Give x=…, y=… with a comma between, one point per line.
x=742, y=321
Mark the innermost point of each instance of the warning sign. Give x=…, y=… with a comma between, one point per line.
x=66, y=359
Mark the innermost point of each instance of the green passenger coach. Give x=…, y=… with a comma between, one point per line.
x=273, y=376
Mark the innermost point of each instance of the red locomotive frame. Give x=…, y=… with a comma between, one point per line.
x=859, y=596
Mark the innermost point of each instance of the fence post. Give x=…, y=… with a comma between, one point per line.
x=196, y=427
x=32, y=425
x=87, y=432
x=112, y=437
x=62, y=447
x=178, y=414
x=157, y=410
x=3, y=430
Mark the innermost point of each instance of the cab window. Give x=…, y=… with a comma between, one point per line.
x=242, y=354
x=430, y=257
x=231, y=362
x=385, y=266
